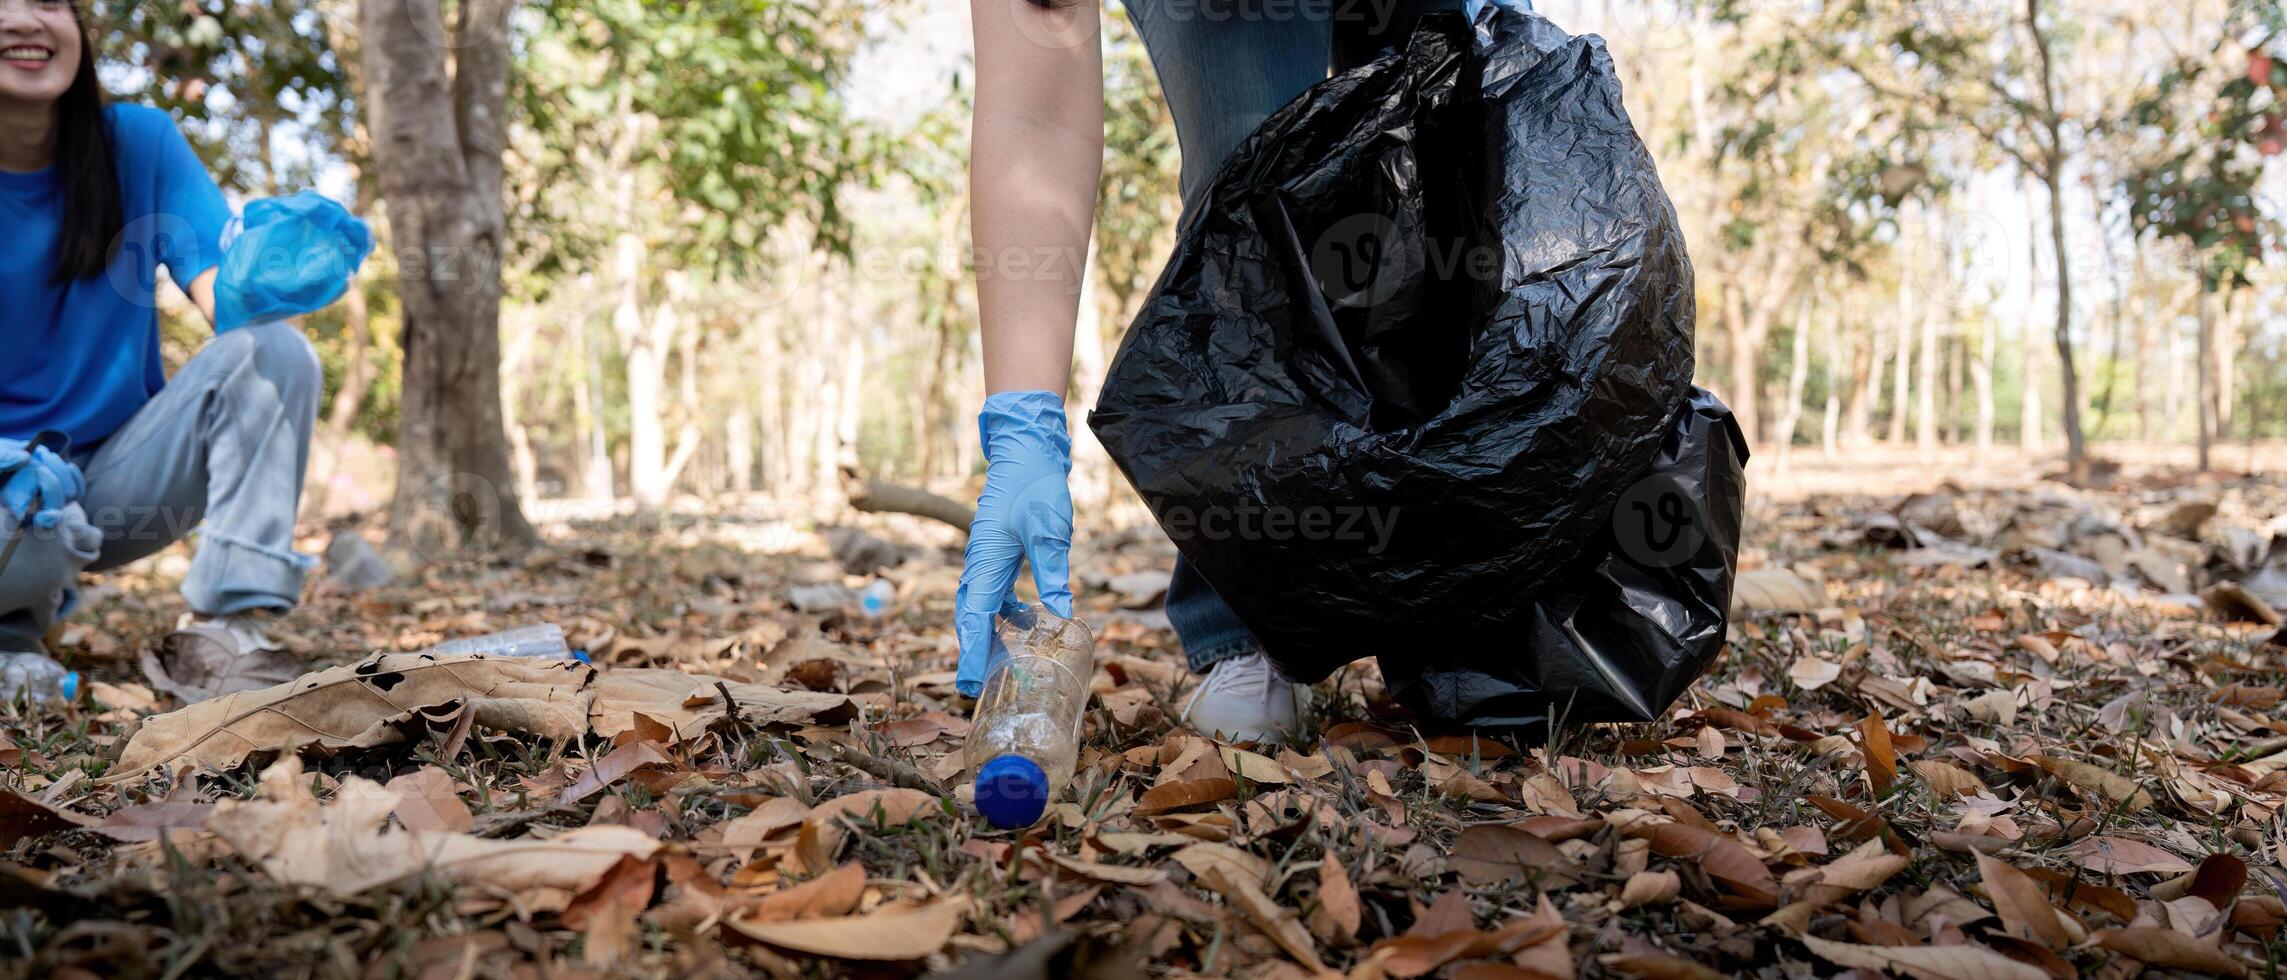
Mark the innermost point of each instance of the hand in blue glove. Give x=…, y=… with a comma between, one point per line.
x=288, y=256
x=30, y=473
x=1024, y=513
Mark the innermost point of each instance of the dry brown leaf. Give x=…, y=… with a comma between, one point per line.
x=1881, y=757
x=1414, y=954
x=1488, y=854
x=1659, y=966
x=147, y=821
x=834, y=893
x=613, y=767
x=1925, y=962
x=1860, y=870
x=1812, y=673
x=22, y=816
x=2120, y=856
x=827, y=827
x=1650, y=888
x=605, y=912
x=1254, y=767
x=361, y=705
x=1117, y=874
x=339, y=847
x=2171, y=949
x=1776, y=590
x=427, y=800
x=2218, y=880
x=693, y=703
x=741, y=835
x=1204, y=858
x=901, y=933
x=195, y=668
x=2113, y=787
x=1724, y=859
x=1275, y=920
x=2023, y=906
x=1169, y=797
x=1338, y=914
x=1946, y=779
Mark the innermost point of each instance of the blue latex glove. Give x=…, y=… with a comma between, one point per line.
x=1024, y=513
x=287, y=256
x=36, y=483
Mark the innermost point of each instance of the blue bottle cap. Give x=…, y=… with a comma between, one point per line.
x=1011, y=791
x=69, y=686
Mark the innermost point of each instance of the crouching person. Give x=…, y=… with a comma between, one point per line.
x=104, y=459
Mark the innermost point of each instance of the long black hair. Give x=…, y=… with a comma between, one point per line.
x=87, y=171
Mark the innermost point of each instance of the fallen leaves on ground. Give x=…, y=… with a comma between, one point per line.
x=1973, y=733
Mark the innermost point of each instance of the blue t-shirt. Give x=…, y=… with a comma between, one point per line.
x=82, y=357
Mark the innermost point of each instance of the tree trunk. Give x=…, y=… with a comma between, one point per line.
x=589, y=440
x=522, y=331
x=738, y=447
x=1798, y=378
x=1926, y=392
x=1901, y=373
x=1981, y=376
x=1830, y=428
x=2145, y=317
x=2222, y=349
x=771, y=417
x=2053, y=159
x=2076, y=441
x=1957, y=371
x=2204, y=378
x=438, y=133
x=1858, y=414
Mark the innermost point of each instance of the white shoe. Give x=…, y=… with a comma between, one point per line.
x=1244, y=699
x=237, y=634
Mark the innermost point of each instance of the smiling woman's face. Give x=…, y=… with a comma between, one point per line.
x=39, y=51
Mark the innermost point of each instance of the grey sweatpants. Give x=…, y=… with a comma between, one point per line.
x=221, y=449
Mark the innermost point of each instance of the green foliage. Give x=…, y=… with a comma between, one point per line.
x=2212, y=121
x=728, y=109
x=247, y=71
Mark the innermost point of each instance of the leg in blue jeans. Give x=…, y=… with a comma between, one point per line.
x=1225, y=66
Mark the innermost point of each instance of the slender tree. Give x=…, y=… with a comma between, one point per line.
x=438, y=115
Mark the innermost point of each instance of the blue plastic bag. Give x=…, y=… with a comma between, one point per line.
x=287, y=256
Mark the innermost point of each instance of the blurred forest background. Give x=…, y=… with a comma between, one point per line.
x=641, y=255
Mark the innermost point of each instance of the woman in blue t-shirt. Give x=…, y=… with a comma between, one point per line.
x=103, y=458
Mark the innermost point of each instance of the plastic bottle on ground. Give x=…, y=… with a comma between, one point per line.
x=877, y=597
x=1025, y=736
x=545, y=640
x=36, y=679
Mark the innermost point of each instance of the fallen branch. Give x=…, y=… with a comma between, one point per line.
x=891, y=771
x=876, y=497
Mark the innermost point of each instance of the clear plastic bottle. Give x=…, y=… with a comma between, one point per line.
x=35, y=678
x=545, y=640
x=877, y=597
x=1025, y=736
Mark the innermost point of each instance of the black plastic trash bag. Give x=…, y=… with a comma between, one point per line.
x=1629, y=626
x=1422, y=332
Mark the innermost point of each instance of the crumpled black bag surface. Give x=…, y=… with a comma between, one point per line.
x=1423, y=331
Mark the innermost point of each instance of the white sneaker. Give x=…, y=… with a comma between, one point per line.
x=237, y=634
x=1244, y=699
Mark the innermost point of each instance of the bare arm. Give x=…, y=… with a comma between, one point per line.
x=1037, y=151
x=201, y=292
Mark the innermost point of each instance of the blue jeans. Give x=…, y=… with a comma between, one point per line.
x=221, y=449
x=1225, y=66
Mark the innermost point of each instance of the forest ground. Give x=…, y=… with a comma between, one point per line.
x=1979, y=729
